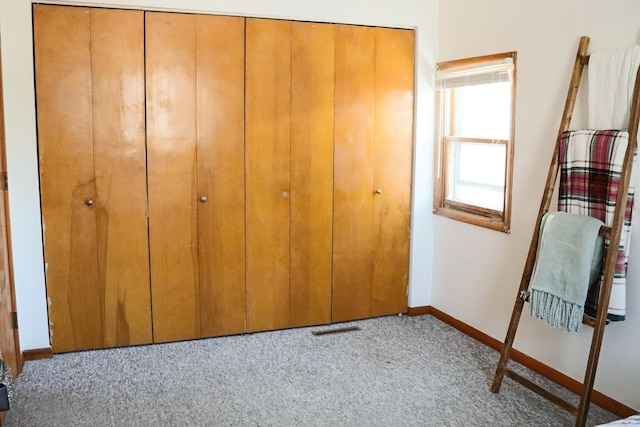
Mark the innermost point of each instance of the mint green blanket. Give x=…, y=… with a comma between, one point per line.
x=569, y=258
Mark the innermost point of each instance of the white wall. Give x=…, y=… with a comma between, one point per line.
x=476, y=271
x=19, y=102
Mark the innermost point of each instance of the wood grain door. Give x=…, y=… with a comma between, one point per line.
x=172, y=177
x=9, y=340
x=393, y=149
x=220, y=166
x=311, y=208
x=372, y=187
x=268, y=185
x=353, y=172
x=90, y=103
x=195, y=143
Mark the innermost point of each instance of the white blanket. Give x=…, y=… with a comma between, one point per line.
x=612, y=76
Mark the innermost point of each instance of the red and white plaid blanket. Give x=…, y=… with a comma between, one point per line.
x=590, y=171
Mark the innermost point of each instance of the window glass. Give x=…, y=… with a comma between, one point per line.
x=483, y=111
x=478, y=174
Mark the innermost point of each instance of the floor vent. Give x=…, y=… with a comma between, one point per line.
x=336, y=330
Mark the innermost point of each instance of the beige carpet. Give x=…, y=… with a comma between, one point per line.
x=395, y=371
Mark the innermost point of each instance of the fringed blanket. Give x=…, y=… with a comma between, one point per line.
x=590, y=171
x=569, y=249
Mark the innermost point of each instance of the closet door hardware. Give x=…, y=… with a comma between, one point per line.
x=379, y=191
x=203, y=199
x=89, y=202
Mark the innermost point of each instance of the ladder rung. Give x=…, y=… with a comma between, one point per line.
x=605, y=231
x=567, y=406
x=586, y=319
x=591, y=321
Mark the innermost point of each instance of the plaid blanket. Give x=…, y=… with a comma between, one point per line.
x=590, y=171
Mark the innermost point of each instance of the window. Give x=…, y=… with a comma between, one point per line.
x=474, y=159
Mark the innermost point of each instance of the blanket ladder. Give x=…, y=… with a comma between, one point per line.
x=609, y=261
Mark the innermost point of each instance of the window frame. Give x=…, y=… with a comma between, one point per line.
x=469, y=213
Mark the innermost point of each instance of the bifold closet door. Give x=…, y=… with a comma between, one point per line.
x=171, y=160
x=372, y=179
x=268, y=139
x=353, y=173
x=311, y=228
x=195, y=151
x=289, y=137
x=91, y=145
x=253, y=205
x=220, y=164
x=392, y=170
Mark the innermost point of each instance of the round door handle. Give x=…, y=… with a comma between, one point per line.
x=89, y=202
x=379, y=191
x=203, y=199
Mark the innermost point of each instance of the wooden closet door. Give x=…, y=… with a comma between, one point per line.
x=9, y=339
x=373, y=158
x=353, y=171
x=268, y=121
x=117, y=74
x=220, y=166
x=90, y=103
x=172, y=179
x=393, y=147
x=312, y=110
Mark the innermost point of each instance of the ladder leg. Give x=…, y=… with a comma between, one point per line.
x=587, y=386
x=610, y=259
x=505, y=354
x=598, y=328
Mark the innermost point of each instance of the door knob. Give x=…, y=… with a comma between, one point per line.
x=379, y=191
x=203, y=199
x=89, y=202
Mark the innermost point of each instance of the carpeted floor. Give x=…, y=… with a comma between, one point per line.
x=395, y=371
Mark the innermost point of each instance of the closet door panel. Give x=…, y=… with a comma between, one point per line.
x=117, y=52
x=90, y=99
x=393, y=149
x=62, y=38
x=171, y=169
x=220, y=163
x=312, y=110
x=268, y=111
x=353, y=165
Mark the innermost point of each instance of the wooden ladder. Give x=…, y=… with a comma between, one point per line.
x=609, y=265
